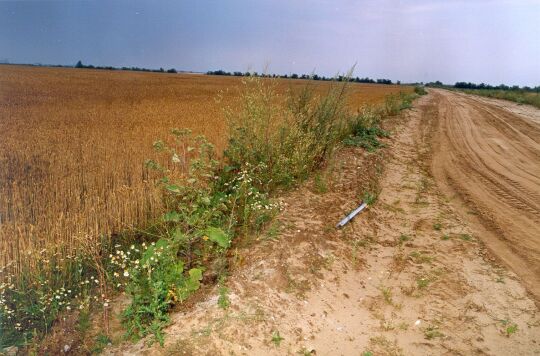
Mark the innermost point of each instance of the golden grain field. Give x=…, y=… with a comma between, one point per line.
x=73, y=144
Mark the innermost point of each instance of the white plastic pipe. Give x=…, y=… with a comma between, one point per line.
x=351, y=215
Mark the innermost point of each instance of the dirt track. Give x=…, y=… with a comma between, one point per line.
x=486, y=158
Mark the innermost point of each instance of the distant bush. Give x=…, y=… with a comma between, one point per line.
x=384, y=81
x=420, y=90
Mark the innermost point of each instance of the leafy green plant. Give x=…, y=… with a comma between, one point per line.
x=101, y=342
x=422, y=282
x=158, y=282
x=511, y=329
x=369, y=198
x=367, y=138
x=276, y=338
x=223, y=301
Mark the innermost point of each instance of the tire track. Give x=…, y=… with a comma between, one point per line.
x=490, y=157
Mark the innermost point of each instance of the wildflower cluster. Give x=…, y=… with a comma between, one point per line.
x=30, y=301
x=157, y=282
x=247, y=198
x=120, y=262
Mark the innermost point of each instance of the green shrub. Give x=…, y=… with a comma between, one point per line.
x=158, y=281
x=392, y=104
x=420, y=90
x=289, y=137
x=367, y=138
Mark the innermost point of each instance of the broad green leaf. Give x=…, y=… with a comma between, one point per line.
x=179, y=268
x=195, y=274
x=218, y=236
x=171, y=216
x=193, y=283
x=162, y=243
x=173, y=188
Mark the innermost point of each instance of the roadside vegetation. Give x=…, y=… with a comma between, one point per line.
x=212, y=201
x=518, y=96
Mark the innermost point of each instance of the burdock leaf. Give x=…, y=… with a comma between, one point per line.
x=171, y=216
x=218, y=236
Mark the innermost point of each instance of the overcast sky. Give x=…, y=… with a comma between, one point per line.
x=491, y=41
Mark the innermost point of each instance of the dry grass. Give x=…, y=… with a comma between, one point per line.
x=73, y=145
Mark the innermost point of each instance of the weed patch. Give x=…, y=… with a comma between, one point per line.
x=276, y=338
x=432, y=332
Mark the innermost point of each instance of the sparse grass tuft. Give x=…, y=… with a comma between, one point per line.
x=387, y=295
x=319, y=183
x=403, y=238
x=276, y=338
x=370, y=198
x=432, y=332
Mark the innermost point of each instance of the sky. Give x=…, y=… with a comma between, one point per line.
x=490, y=41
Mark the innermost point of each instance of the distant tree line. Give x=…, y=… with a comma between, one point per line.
x=339, y=78
x=136, y=69
x=434, y=84
x=468, y=85
x=464, y=85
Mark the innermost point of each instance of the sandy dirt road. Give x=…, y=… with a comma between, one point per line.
x=409, y=276
x=486, y=158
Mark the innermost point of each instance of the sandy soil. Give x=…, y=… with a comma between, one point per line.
x=408, y=276
x=486, y=156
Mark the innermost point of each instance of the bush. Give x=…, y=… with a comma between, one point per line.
x=289, y=136
x=420, y=90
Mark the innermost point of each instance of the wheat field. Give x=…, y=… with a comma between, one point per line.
x=73, y=144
